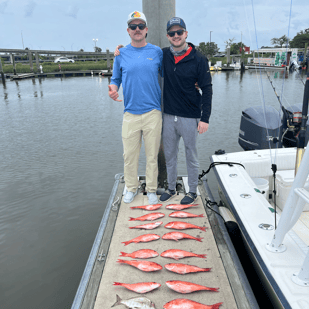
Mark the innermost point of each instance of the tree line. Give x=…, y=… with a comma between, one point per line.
x=299, y=41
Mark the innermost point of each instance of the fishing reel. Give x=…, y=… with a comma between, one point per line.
x=292, y=128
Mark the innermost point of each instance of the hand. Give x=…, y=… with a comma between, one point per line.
x=113, y=94
x=196, y=86
x=117, y=52
x=202, y=127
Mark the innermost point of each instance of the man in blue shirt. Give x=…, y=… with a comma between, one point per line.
x=137, y=70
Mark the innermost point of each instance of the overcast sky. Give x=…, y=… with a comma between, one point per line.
x=72, y=24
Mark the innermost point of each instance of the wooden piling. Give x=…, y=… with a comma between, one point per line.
x=228, y=56
x=13, y=62
x=30, y=61
x=37, y=62
x=1, y=71
x=108, y=61
x=242, y=59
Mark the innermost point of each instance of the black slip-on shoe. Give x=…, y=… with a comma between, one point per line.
x=166, y=196
x=189, y=198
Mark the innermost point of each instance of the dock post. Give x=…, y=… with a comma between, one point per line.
x=108, y=61
x=37, y=62
x=158, y=13
x=1, y=71
x=30, y=61
x=13, y=62
x=228, y=56
x=242, y=60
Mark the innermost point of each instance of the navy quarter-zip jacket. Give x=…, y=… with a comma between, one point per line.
x=180, y=97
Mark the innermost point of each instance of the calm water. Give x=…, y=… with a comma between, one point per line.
x=60, y=148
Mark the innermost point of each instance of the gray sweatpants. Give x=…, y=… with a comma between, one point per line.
x=175, y=127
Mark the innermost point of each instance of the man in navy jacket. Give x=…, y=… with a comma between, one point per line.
x=186, y=111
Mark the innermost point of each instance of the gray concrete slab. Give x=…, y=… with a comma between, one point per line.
x=115, y=272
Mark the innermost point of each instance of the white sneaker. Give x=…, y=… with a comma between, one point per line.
x=129, y=196
x=152, y=198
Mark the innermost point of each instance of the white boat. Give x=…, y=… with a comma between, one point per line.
x=276, y=237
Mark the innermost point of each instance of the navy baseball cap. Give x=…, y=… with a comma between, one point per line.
x=175, y=21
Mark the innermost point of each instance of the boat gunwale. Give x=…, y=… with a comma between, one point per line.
x=218, y=221
x=250, y=244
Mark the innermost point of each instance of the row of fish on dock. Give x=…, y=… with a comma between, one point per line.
x=182, y=287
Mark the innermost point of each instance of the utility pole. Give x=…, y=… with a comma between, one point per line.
x=95, y=44
x=22, y=40
x=158, y=13
x=210, y=42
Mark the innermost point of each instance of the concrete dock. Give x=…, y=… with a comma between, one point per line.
x=97, y=290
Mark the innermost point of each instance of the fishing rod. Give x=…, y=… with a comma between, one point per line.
x=278, y=97
x=293, y=119
x=301, y=138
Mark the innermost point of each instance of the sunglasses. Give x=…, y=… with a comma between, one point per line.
x=172, y=33
x=140, y=26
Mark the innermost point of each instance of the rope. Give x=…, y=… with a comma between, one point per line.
x=213, y=164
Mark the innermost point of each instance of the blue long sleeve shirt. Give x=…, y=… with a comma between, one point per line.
x=137, y=70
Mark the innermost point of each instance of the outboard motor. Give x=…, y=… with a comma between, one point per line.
x=289, y=132
x=253, y=129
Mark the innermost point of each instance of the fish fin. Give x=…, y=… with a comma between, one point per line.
x=132, y=219
x=120, y=261
x=118, y=301
x=199, y=239
x=117, y=283
x=216, y=306
x=123, y=253
x=126, y=242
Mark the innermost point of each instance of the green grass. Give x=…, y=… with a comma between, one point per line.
x=50, y=67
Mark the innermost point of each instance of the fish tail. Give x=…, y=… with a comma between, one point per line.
x=133, y=207
x=213, y=289
x=132, y=227
x=117, y=283
x=202, y=215
x=199, y=239
x=132, y=219
x=123, y=253
x=121, y=261
x=207, y=269
x=203, y=228
x=216, y=306
x=118, y=302
x=203, y=256
x=126, y=242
